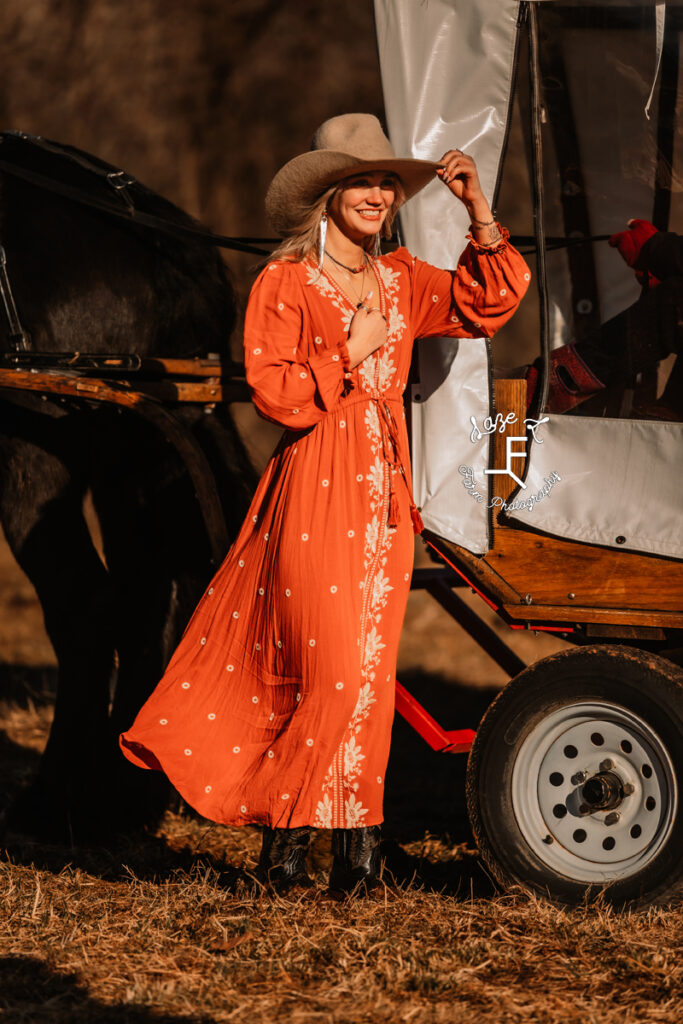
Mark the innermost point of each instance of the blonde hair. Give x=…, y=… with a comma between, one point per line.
x=302, y=241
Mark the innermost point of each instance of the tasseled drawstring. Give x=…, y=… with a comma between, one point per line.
x=394, y=515
x=418, y=525
x=390, y=448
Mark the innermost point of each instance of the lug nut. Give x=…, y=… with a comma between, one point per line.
x=628, y=788
x=606, y=765
x=578, y=778
x=612, y=818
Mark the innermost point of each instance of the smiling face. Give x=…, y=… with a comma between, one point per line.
x=360, y=207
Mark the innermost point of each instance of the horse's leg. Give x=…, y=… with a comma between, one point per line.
x=157, y=561
x=41, y=512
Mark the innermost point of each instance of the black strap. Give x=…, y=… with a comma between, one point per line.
x=130, y=214
x=18, y=337
x=238, y=244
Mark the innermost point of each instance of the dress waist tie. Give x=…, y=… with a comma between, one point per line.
x=391, y=453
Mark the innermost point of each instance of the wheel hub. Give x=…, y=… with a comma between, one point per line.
x=576, y=767
x=603, y=792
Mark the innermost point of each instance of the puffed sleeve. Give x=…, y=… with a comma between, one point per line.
x=476, y=298
x=288, y=386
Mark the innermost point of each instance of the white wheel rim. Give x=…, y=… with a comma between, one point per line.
x=547, y=792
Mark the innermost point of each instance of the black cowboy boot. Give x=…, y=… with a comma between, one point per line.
x=355, y=862
x=282, y=863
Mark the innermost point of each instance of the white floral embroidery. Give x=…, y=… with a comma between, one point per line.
x=324, y=812
x=372, y=421
x=380, y=588
x=352, y=756
x=340, y=805
x=341, y=782
x=373, y=646
x=355, y=812
x=376, y=474
x=366, y=698
x=372, y=534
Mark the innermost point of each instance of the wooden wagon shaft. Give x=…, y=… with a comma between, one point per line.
x=210, y=381
x=148, y=406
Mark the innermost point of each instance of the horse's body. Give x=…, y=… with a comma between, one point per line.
x=84, y=281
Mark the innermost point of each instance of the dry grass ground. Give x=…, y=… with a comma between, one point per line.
x=169, y=926
x=169, y=929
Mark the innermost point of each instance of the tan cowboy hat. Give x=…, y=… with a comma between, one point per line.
x=341, y=147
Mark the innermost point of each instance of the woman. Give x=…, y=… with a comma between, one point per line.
x=277, y=706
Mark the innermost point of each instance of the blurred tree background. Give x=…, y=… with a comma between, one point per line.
x=201, y=100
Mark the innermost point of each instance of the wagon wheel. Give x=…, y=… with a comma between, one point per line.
x=575, y=779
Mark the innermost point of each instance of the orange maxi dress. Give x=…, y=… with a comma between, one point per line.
x=277, y=705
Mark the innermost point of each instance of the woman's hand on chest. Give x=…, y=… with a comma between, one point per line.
x=368, y=331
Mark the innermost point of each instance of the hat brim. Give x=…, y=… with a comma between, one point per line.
x=302, y=180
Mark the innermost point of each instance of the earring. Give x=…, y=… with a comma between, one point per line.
x=323, y=235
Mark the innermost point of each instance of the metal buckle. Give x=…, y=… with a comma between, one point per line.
x=120, y=181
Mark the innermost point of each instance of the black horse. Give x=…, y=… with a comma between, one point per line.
x=85, y=280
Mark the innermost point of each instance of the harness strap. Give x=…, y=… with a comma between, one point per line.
x=18, y=337
x=130, y=214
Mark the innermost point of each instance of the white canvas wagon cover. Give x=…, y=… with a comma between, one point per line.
x=447, y=72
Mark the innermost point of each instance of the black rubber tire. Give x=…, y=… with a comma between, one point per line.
x=641, y=683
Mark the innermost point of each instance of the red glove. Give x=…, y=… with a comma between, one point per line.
x=630, y=242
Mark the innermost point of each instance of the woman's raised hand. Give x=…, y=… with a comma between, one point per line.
x=459, y=174
x=368, y=331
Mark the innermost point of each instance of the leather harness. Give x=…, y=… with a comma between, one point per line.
x=121, y=205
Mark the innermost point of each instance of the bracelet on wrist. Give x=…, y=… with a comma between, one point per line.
x=499, y=237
